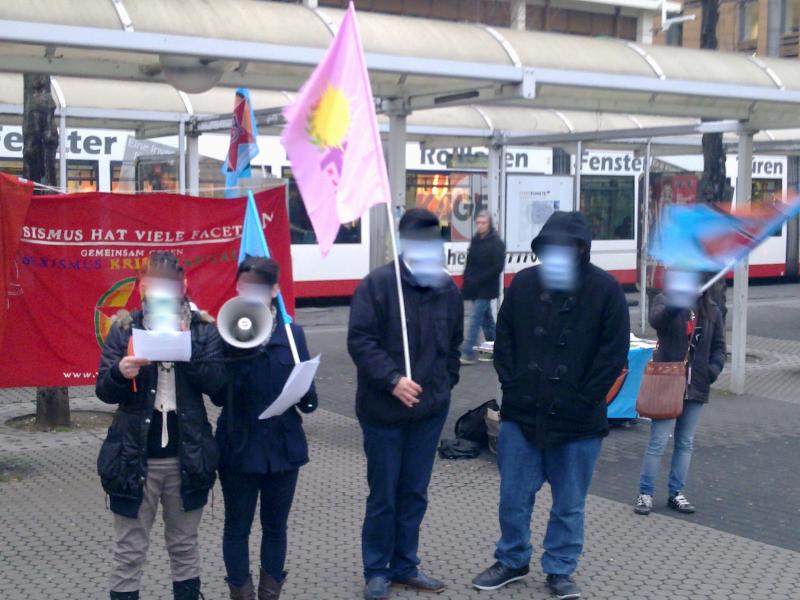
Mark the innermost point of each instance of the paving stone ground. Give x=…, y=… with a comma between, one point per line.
x=55, y=530
x=55, y=534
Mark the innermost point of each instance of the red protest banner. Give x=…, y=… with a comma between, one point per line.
x=78, y=259
x=15, y=197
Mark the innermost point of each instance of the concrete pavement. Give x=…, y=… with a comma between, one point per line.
x=55, y=530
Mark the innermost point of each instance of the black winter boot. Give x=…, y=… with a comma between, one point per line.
x=125, y=595
x=268, y=588
x=187, y=590
x=246, y=591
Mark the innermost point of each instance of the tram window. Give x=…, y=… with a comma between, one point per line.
x=608, y=204
x=116, y=174
x=451, y=196
x=81, y=174
x=300, y=225
x=157, y=174
x=11, y=166
x=766, y=192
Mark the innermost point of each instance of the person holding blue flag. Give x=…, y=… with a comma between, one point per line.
x=260, y=457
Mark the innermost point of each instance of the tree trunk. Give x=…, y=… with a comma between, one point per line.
x=40, y=142
x=713, y=185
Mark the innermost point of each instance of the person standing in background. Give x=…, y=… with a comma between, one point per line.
x=485, y=261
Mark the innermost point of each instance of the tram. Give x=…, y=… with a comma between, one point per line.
x=453, y=183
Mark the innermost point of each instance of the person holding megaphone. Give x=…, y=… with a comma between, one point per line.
x=159, y=448
x=258, y=457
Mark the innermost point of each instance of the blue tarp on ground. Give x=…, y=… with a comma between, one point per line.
x=624, y=405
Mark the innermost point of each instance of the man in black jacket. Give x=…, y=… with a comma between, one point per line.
x=402, y=417
x=159, y=448
x=562, y=340
x=486, y=258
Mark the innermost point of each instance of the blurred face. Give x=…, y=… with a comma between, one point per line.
x=482, y=225
x=251, y=286
x=162, y=285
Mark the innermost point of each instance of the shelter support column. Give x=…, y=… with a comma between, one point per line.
x=62, y=151
x=518, y=14
x=182, y=157
x=644, y=236
x=397, y=161
x=378, y=222
x=741, y=276
x=193, y=163
x=578, y=166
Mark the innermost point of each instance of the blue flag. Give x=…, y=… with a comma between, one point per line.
x=702, y=238
x=255, y=244
x=243, y=145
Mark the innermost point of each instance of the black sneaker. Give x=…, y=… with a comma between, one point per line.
x=644, y=505
x=680, y=503
x=563, y=587
x=497, y=576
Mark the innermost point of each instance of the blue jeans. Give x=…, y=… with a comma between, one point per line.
x=241, y=491
x=399, y=466
x=660, y=430
x=523, y=469
x=480, y=316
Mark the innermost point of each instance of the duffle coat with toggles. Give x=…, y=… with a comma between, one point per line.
x=558, y=354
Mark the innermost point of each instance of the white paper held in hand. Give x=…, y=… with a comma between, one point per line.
x=162, y=346
x=296, y=386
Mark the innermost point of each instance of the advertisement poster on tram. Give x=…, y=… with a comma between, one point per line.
x=530, y=200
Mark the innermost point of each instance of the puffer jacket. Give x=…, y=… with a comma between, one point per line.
x=122, y=462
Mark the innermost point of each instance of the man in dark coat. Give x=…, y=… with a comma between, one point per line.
x=486, y=258
x=159, y=448
x=402, y=417
x=562, y=341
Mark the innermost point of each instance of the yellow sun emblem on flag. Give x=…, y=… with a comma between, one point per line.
x=330, y=119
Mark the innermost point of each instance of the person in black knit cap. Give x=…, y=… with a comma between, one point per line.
x=402, y=417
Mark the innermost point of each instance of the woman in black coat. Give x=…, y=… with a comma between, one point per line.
x=159, y=448
x=701, y=332
x=260, y=456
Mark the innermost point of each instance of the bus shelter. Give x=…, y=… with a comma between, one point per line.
x=416, y=65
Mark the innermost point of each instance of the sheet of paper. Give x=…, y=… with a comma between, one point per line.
x=162, y=346
x=296, y=386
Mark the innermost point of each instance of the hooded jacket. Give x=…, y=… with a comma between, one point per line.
x=558, y=354
x=486, y=258
x=122, y=462
x=435, y=319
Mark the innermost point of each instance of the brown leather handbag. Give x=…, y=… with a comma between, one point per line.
x=663, y=389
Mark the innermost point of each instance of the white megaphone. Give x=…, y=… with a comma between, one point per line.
x=244, y=323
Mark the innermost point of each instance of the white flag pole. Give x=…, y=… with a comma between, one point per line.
x=401, y=298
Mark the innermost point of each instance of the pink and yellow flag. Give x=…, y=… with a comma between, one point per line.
x=332, y=139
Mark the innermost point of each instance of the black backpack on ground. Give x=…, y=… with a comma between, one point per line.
x=471, y=434
x=472, y=424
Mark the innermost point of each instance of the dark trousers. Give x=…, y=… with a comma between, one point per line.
x=241, y=491
x=399, y=465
